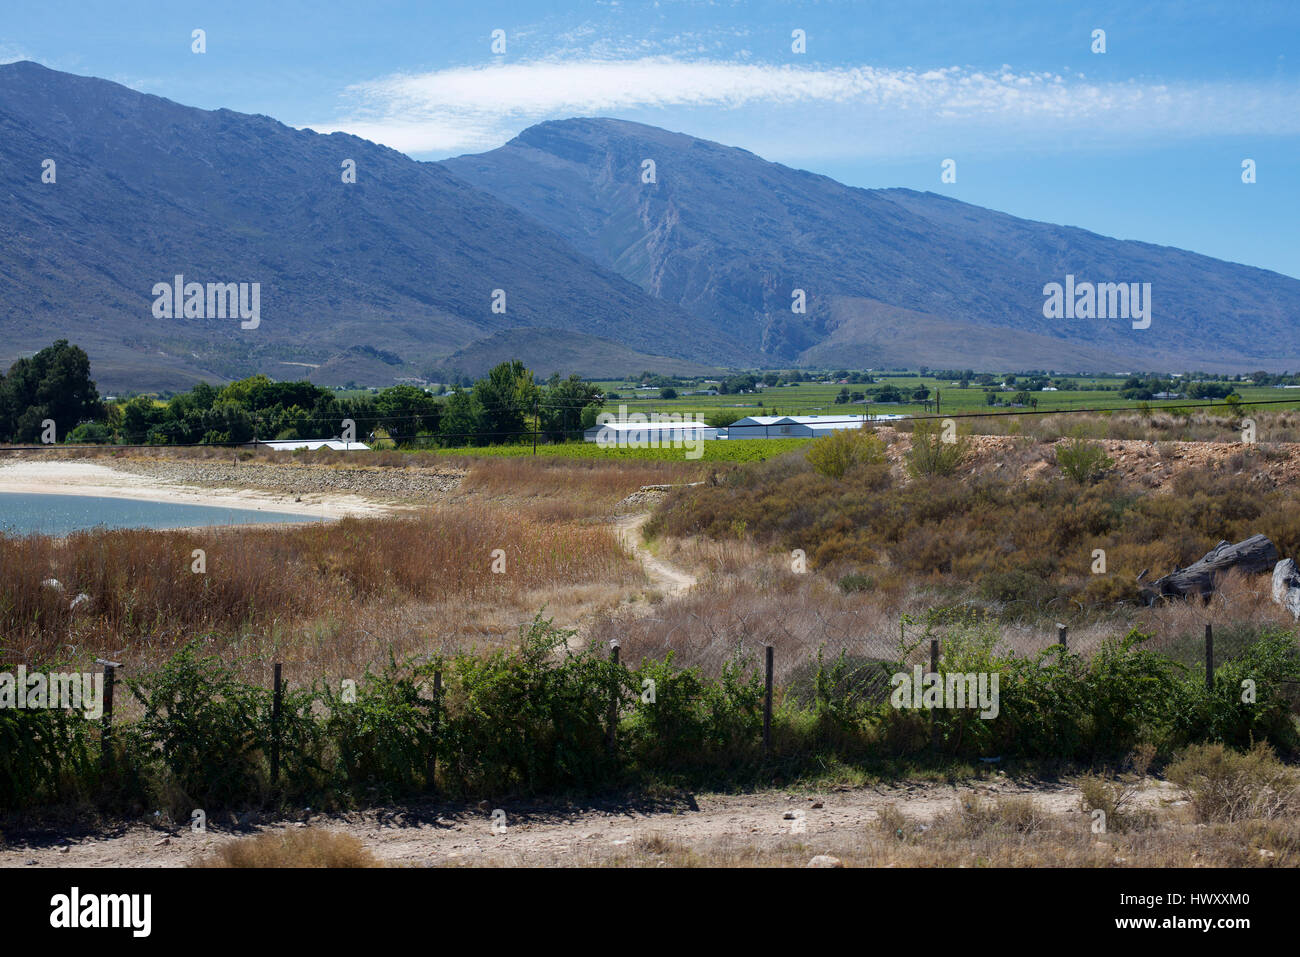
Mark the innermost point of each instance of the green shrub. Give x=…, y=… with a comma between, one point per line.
x=210, y=730
x=854, y=583
x=835, y=454
x=1270, y=669
x=690, y=722
x=382, y=741
x=47, y=756
x=532, y=720
x=935, y=449
x=1015, y=586
x=1083, y=461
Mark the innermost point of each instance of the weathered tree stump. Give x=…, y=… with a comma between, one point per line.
x=1256, y=554
x=1286, y=586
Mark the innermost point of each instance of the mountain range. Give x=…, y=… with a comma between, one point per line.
x=588, y=245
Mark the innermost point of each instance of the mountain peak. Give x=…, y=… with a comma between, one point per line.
x=726, y=234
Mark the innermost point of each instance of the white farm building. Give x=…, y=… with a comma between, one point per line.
x=799, y=426
x=648, y=435
x=311, y=445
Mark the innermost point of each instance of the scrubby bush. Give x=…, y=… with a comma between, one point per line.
x=833, y=455
x=309, y=847
x=531, y=720
x=1116, y=795
x=1082, y=461
x=855, y=583
x=47, y=756
x=210, y=729
x=382, y=740
x=1253, y=697
x=1227, y=785
x=935, y=450
x=682, y=720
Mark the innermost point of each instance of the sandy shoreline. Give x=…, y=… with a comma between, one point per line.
x=90, y=479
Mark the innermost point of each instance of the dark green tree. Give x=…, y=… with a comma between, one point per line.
x=53, y=384
x=505, y=397
x=563, y=406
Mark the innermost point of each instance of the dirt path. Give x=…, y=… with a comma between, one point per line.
x=669, y=579
x=534, y=834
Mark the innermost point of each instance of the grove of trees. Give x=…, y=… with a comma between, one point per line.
x=504, y=406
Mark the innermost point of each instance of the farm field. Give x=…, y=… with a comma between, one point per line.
x=739, y=450
x=818, y=398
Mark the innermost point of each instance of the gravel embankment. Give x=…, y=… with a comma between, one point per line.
x=300, y=479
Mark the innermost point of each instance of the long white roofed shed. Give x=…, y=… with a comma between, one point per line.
x=648, y=434
x=798, y=426
x=311, y=445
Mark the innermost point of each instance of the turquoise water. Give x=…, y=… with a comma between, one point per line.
x=22, y=514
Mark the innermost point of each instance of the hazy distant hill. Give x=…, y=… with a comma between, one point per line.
x=404, y=261
x=557, y=350
x=892, y=276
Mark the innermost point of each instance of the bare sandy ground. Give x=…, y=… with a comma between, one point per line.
x=554, y=835
x=87, y=478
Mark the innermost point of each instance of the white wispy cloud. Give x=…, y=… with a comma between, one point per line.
x=12, y=53
x=468, y=108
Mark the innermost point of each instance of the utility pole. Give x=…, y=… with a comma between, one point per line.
x=537, y=422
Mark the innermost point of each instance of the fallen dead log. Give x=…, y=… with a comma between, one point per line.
x=1256, y=554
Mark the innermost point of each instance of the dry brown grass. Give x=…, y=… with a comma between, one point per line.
x=594, y=482
x=350, y=590
x=1005, y=832
x=1228, y=786
x=306, y=847
x=1245, y=601
x=749, y=597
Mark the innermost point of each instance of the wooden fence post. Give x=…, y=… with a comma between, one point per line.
x=1061, y=632
x=275, y=727
x=1209, y=657
x=767, y=704
x=437, y=719
x=612, y=721
x=934, y=670
x=106, y=736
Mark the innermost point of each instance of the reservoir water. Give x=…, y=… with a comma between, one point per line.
x=23, y=513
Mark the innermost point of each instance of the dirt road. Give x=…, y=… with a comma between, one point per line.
x=557, y=835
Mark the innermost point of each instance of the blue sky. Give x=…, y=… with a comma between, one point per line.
x=1144, y=141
